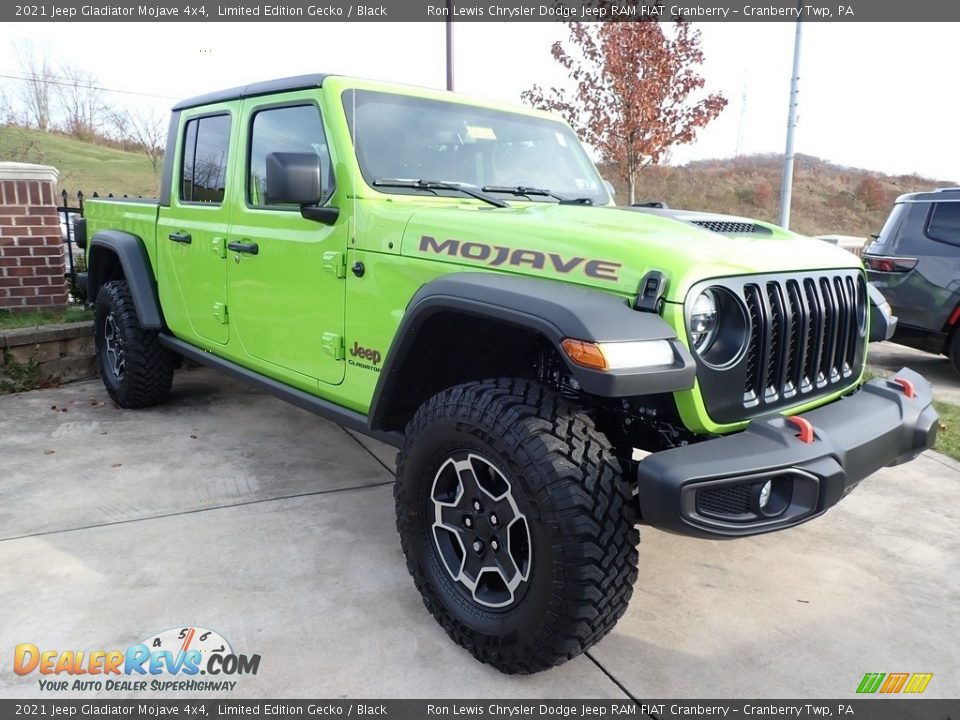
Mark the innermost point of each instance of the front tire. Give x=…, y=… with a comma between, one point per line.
x=516, y=523
x=137, y=370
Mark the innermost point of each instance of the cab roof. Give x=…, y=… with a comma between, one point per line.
x=267, y=87
x=316, y=80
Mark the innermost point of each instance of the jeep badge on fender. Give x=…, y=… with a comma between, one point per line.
x=365, y=353
x=523, y=338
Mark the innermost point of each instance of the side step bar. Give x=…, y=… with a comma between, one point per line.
x=349, y=419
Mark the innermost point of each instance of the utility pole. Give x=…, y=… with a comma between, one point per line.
x=786, y=184
x=743, y=115
x=449, y=24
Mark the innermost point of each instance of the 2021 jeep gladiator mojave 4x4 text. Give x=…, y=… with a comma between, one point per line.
x=451, y=276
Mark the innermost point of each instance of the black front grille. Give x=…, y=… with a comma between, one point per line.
x=729, y=227
x=806, y=339
x=805, y=335
x=729, y=500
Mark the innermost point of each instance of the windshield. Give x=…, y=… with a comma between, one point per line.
x=402, y=137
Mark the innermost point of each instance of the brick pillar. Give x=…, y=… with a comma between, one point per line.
x=32, y=265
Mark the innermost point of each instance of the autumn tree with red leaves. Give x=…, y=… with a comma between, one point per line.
x=634, y=82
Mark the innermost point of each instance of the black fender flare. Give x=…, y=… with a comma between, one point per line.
x=555, y=310
x=132, y=255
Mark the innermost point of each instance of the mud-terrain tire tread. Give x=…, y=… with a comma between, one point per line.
x=591, y=507
x=148, y=365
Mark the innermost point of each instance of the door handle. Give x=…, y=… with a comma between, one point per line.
x=251, y=248
x=181, y=237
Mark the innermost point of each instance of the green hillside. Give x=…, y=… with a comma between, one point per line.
x=82, y=165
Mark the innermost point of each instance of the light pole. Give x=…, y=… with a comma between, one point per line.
x=786, y=183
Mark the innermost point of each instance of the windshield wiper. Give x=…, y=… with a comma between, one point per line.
x=530, y=191
x=438, y=185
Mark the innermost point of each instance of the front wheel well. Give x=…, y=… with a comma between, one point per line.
x=449, y=349
x=452, y=348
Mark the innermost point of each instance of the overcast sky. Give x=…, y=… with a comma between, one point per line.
x=872, y=95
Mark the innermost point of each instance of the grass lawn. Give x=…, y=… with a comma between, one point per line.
x=948, y=438
x=13, y=320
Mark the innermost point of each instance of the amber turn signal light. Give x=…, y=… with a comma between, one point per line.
x=584, y=353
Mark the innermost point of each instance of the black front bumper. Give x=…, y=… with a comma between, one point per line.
x=713, y=489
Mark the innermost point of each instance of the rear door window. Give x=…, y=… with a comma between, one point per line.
x=204, y=162
x=944, y=223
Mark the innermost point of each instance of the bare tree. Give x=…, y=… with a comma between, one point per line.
x=8, y=111
x=81, y=102
x=146, y=130
x=38, y=71
x=118, y=129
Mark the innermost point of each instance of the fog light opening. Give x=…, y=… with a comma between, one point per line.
x=772, y=496
x=764, y=499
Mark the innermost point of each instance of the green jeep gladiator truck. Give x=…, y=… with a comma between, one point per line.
x=451, y=276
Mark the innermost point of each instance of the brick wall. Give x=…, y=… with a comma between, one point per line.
x=32, y=264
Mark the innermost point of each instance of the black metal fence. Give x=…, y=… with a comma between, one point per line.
x=75, y=262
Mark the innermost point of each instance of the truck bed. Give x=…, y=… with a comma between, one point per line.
x=134, y=215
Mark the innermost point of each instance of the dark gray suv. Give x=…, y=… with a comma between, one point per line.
x=915, y=263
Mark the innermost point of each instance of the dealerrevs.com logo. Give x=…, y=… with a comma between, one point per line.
x=172, y=660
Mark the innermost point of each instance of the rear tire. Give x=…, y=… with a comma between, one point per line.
x=516, y=449
x=137, y=370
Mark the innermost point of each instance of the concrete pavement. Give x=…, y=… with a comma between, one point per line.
x=230, y=510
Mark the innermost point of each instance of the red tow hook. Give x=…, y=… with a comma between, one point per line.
x=906, y=386
x=804, y=426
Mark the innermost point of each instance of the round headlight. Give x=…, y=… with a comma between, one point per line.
x=719, y=327
x=704, y=321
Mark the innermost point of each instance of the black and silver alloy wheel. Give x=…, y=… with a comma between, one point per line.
x=113, y=346
x=481, y=535
x=516, y=522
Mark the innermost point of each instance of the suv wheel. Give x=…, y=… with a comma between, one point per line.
x=517, y=526
x=136, y=369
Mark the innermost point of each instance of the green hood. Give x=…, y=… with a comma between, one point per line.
x=605, y=247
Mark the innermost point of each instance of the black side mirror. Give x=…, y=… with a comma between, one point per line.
x=293, y=178
x=297, y=179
